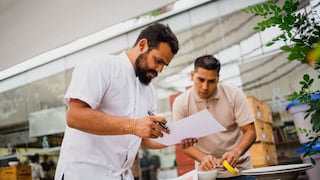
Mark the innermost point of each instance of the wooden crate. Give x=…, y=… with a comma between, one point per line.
x=266, y=113
x=256, y=107
x=260, y=131
x=260, y=155
x=15, y=173
x=269, y=133
x=273, y=154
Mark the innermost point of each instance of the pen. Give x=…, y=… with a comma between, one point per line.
x=160, y=123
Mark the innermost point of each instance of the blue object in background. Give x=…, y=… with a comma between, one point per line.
x=314, y=148
x=296, y=102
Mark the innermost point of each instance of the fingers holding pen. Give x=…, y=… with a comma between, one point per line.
x=159, y=125
x=149, y=127
x=144, y=128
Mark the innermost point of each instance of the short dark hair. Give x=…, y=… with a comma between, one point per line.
x=34, y=158
x=157, y=33
x=208, y=62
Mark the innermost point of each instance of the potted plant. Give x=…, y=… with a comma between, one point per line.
x=301, y=34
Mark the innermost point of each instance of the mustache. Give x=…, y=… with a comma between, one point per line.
x=153, y=71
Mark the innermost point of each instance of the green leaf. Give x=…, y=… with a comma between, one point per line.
x=256, y=28
x=250, y=8
x=300, y=33
x=310, y=82
x=259, y=8
x=302, y=83
x=306, y=77
x=294, y=56
x=291, y=99
x=270, y=44
x=285, y=48
x=255, y=9
x=244, y=11
x=266, y=7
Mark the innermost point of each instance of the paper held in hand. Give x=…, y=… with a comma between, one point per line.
x=194, y=126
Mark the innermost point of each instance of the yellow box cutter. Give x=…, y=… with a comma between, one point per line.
x=232, y=170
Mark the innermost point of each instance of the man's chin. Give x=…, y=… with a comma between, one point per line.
x=203, y=96
x=145, y=81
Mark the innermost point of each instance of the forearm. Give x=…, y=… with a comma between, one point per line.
x=82, y=117
x=194, y=153
x=246, y=141
x=151, y=144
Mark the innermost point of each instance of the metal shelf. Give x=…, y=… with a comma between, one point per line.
x=40, y=151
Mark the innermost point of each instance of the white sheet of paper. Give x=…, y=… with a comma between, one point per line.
x=194, y=126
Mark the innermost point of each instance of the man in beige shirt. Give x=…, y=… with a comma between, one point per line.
x=230, y=108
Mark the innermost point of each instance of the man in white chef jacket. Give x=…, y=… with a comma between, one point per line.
x=108, y=102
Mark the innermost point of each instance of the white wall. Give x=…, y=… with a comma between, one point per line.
x=29, y=28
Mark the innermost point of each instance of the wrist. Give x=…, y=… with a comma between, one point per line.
x=200, y=157
x=134, y=126
x=237, y=152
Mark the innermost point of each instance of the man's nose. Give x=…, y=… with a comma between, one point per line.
x=159, y=68
x=205, y=85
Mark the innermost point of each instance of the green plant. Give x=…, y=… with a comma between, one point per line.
x=300, y=33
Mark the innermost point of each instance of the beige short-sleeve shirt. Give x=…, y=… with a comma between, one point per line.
x=229, y=106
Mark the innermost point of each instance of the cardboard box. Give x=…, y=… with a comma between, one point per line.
x=16, y=173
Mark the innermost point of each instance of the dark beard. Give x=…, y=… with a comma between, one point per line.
x=141, y=70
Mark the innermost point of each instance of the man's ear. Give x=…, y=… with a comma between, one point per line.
x=143, y=45
x=191, y=75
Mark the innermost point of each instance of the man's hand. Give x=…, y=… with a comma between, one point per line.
x=185, y=143
x=208, y=163
x=232, y=157
x=149, y=127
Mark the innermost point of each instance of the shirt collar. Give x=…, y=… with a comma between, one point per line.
x=128, y=63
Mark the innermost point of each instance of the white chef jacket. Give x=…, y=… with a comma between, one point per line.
x=108, y=84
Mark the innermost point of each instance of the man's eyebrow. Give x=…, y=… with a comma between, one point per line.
x=163, y=62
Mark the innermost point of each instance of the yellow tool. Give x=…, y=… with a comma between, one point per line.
x=230, y=168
